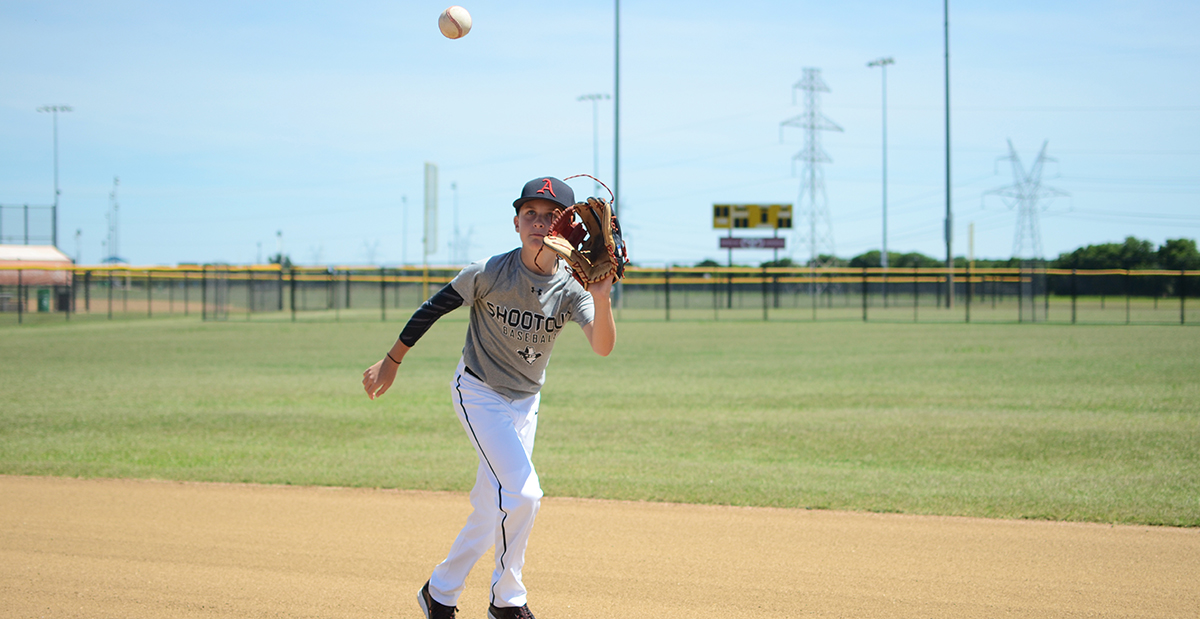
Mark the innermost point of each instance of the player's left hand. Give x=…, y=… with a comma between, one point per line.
x=603, y=288
x=594, y=248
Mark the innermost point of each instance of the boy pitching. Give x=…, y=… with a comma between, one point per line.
x=520, y=301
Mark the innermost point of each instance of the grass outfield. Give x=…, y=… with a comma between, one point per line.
x=1083, y=423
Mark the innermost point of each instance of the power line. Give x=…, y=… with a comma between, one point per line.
x=1134, y=181
x=1139, y=215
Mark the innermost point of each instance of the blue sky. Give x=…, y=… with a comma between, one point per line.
x=229, y=121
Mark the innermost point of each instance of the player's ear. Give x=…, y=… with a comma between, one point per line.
x=516, y=223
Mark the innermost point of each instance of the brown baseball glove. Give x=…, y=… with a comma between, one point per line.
x=592, y=246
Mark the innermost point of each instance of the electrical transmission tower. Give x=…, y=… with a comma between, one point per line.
x=814, y=206
x=1025, y=193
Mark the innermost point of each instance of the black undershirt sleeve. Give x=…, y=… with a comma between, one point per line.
x=445, y=301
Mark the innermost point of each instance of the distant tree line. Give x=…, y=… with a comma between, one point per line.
x=1133, y=254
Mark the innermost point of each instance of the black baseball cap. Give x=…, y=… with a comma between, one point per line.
x=546, y=188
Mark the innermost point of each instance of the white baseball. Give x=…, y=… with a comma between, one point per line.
x=454, y=22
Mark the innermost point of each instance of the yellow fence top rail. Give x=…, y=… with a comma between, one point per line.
x=632, y=272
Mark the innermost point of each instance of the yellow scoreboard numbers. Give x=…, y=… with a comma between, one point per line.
x=769, y=216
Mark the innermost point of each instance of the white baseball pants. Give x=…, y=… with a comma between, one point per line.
x=506, y=495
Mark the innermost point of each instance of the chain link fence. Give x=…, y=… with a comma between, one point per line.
x=1032, y=293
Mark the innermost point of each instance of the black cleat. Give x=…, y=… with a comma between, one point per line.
x=509, y=612
x=431, y=607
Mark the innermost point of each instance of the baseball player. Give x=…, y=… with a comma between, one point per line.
x=520, y=302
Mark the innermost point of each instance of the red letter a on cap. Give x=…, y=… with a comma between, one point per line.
x=546, y=187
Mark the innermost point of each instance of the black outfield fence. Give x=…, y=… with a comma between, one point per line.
x=1032, y=293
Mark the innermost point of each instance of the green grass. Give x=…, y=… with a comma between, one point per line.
x=1086, y=423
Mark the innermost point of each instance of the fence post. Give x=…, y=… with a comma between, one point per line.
x=382, y=294
x=87, y=291
x=667, y=290
x=1126, y=296
x=729, y=292
x=864, y=293
x=969, y=293
x=716, y=285
x=885, y=287
x=110, y=293
x=916, y=291
x=71, y=296
x=1182, y=295
x=280, y=277
x=765, y=294
x=149, y=290
x=812, y=288
x=186, y=309
x=1045, y=293
x=1074, y=293
x=20, y=300
x=1021, y=292
x=292, y=293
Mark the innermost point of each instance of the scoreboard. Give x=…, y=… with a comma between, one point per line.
x=749, y=216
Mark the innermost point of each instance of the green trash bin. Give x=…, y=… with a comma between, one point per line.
x=43, y=299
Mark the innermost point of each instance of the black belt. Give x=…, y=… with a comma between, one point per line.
x=473, y=374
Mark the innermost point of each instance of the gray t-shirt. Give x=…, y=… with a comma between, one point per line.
x=516, y=315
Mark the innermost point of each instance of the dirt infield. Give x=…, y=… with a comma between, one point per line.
x=119, y=548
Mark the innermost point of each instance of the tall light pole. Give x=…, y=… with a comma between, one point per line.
x=595, y=99
x=883, y=63
x=54, y=110
x=617, y=128
x=949, y=215
x=617, y=111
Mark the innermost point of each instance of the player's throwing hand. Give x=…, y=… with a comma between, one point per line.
x=379, y=377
